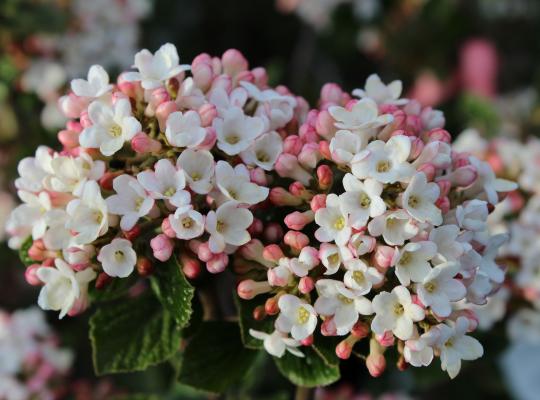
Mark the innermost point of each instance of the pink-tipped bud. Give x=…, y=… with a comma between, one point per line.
x=325, y=125
x=260, y=77
x=344, y=349
x=258, y=176
x=306, y=284
x=68, y=138
x=159, y=96
x=386, y=339
x=259, y=313
x=167, y=228
x=360, y=330
x=162, y=247
x=233, y=62
x=218, y=263
x=297, y=189
x=444, y=187
x=296, y=240
x=106, y=181
x=38, y=251
x=145, y=267
x=328, y=327
x=376, y=364
x=278, y=276
x=72, y=105
x=293, y=145
x=282, y=197
x=256, y=227
x=103, y=280
x=307, y=341
x=130, y=89
x=317, y=202
x=331, y=93
x=429, y=170
x=324, y=149
x=325, y=176
x=142, y=143
x=190, y=266
x=204, y=253
x=248, y=288
x=384, y=256
x=310, y=156
x=297, y=220
x=30, y=275
x=443, y=203
x=202, y=71
x=417, y=145
x=163, y=111
x=271, y=306
x=272, y=253
x=464, y=176
x=439, y=134
x=208, y=113
x=273, y=232
x=85, y=120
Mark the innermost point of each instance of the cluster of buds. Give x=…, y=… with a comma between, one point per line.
x=171, y=159
x=518, y=160
x=33, y=365
x=385, y=234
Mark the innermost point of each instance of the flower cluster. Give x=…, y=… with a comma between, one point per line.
x=32, y=364
x=160, y=157
x=387, y=234
x=384, y=229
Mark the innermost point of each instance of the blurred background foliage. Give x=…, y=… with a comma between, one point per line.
x=303, y=44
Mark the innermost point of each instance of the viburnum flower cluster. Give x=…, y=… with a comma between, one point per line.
x=387, y=235
x=32, y=363
x=353, y=220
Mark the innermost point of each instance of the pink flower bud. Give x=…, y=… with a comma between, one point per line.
x=439, y=134
x=386, y=339
x=260, y=77
x=308, y=134
x=273, y=253
x=30, y=275
x=282, y=197
x=209, y=140
x=163, y=111
x=307, y=341
x=325, y=125
x=324, y=149
x=376, y=364
x=417, y=145
x=208, y=112
x=79, y=306
x=325, y=176
x=361, y=244
x=72, y=105
x=444, y=187
x=37, y=251
x=384, y=256
x=271, y=306
x=297, y=220
x=145, y=267
x=306, y=285
x=278, y=276
x=273, y=232
x=344, y=349
x=464, y=176
x=244, y=76
x=310, y=156
x=204, y=253
x=142, y=143
x=297, y=189
x=248, y=288
x=233, y=62
x=130, y=89
x=256, y=227
x=428, y=170
x=328, y=327
x=258, y=176
x=190, y=266
x=69, y=139
x=331, y=93
x=167, y=228
x=159, y=96
x=85, y=120
x=202, y=71
x=218, y=263
x=293, y=145
x=443, y=203
x=317, y=202
x=296, y=240
x=222, y=81
x=360, y=330
x=162, y=247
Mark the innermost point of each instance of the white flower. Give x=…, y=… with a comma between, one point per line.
x=264, y=151
x=88, y=215
x=71, y=173
x=396, y=312
x=131, y=201
x=439, y=288
x=342, y=303
x=33, y=170
x=198, y=166
x=364, y=115
x=184, y=129
x=276, y=343
x=306, y=261
x=228, y=225
x=63, y=286
x=187, y=223
x=385, y=162
x=30, y=216
x=219, y=97
x=361, y=200
x=383, y=94
x=472, y=215
x=345, y=145
x=333, y=256
x=413, y=262
x=281, y=274
x=488, y=182
x=57, y=236
x=95, y=86
x=417, y=351
x=394, y=226
x=524, y=326
x=111, y=128
x=333, y=223
x=448, y=247
x=118, y=258
x=165, y=182
x=296, y=316
x=236, y=131
x=359, y=277
x=235, y=185
x=154, y=69
x=419, y=200
x=454, y=345
x=488, y=265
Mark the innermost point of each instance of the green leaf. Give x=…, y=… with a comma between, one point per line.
x=132, y=335
x=309, y=371
x=115, y=289
x=215, y=358
x=325, y=347
x=173, y=290
x=245, y=313
x=23, y=251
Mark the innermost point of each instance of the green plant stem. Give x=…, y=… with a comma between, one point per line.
x=302, y=393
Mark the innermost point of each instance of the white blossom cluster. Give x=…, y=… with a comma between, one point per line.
x=32, y=364
x=401, y=249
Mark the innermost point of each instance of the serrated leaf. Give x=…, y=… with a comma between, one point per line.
x=132, y=335
x=309, y=371
x=173, y=290
x=245, y=314
x=215, y=358
x=23, y=252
